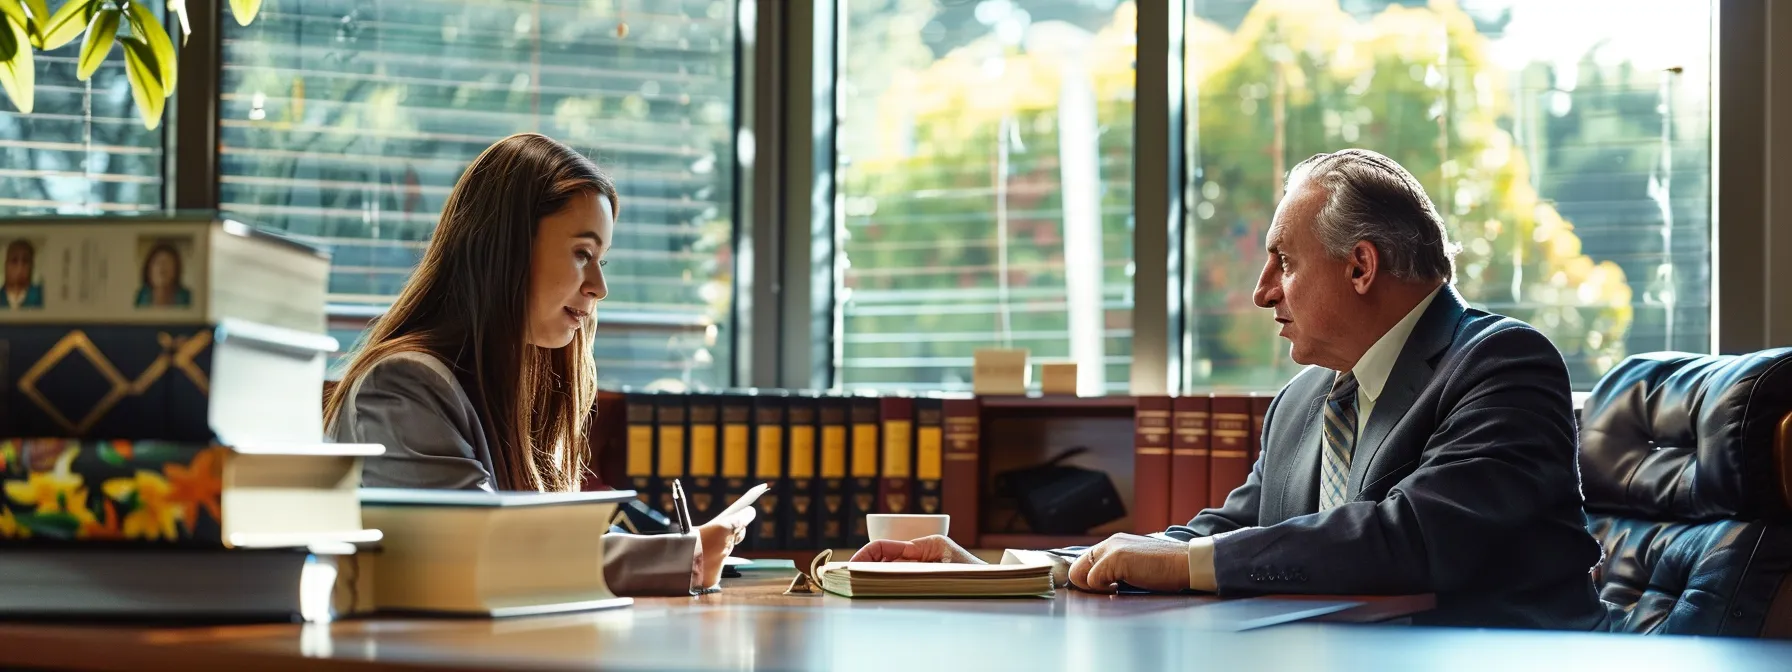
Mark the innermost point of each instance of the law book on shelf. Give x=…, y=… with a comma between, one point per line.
x=737, y=445
x=314, y=584
x=1189, y=448
x=798, y=521
x=1151, y=464
x=231, y=382
x=930, y=441
x=163, y=271
x=669, y=450
x=1230, y=462
x=833, y=414
x=478, y=553
x=705, y=488
x=896, y=484
x=641, y=441
x=769, y=456
x=961, y=479
x=863, y=485
x=164, y=494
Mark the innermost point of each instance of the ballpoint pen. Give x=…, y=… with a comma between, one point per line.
x=681, y=509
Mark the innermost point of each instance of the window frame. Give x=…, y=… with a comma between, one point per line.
x=786, y=329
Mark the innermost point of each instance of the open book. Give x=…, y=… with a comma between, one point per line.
x=930, y=579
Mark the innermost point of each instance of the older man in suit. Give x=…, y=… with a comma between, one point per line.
x=1427, y=448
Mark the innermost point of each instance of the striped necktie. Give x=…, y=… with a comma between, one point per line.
x=1340, y=442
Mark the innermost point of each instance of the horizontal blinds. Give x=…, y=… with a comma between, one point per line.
x=348, y=123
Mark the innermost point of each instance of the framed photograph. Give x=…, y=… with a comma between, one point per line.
x=164, y=272
x=22, y=287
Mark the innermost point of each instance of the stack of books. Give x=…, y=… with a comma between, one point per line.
x=161, y=429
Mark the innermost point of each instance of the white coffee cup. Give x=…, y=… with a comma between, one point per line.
x=905, y=526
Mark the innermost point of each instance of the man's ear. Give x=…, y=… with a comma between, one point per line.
x=1365, y=264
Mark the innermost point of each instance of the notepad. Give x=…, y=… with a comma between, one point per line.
x=932, y=579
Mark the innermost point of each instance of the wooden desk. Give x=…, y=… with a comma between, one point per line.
x=750, y=624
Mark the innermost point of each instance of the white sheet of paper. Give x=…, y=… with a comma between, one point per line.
x=745, y=501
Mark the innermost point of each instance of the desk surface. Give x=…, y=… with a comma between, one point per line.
x=751, y=625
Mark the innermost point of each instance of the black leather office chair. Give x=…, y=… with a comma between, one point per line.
x=1686, y=462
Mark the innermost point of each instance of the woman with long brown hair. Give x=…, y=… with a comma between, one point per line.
x=481, y=376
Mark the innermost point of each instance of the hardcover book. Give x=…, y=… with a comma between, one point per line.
x=165, y=270
x=180, y=495
x=233, y=382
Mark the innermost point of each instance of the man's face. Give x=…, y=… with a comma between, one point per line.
x=1310, y=291
x=18, y=266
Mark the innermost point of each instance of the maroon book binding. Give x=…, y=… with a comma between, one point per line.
x=897, y=486
x=1231, y=454
x=962, y=475
x=1188, y=458
x=1151, y=465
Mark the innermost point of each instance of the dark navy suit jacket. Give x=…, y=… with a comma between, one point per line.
x=1464, y=484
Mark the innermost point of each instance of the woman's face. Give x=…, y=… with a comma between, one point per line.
x=566, y=277
x=162, y=270
x=18, y=266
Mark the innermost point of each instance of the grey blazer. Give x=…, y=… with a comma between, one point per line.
x=1464, y=484
x=411, y=403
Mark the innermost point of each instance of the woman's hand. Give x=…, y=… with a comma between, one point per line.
x=934, y=548
x=715, y=540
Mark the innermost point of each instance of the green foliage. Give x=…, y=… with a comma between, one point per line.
x=150, y=59
x=1300, y=77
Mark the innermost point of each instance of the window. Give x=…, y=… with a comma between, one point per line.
x=347, y=123
x=83, y=150
x=1566, y=142
x=985, y=176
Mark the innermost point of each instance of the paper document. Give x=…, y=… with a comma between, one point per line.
x=745, y=501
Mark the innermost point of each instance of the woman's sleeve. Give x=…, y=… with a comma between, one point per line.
x=426, y=428
x=649, y=565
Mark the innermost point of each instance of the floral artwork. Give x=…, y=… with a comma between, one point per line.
x=110, y=491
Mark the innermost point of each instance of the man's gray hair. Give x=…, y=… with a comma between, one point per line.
x=1370, y=197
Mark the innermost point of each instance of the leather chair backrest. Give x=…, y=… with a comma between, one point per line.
x=1686, y=464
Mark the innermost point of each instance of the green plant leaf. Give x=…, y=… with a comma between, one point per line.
x=40, y=14
x=110, y=455
x=67, y=23
x=147, y=28
x=17, y=71
x=51, y=525
x=244, y=10
x=101, y=33
x=146, y=84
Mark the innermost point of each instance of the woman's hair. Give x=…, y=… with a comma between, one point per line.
x=149, y=260
x=467, y=303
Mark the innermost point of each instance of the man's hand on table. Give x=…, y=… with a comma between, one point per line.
x=1157, y=565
